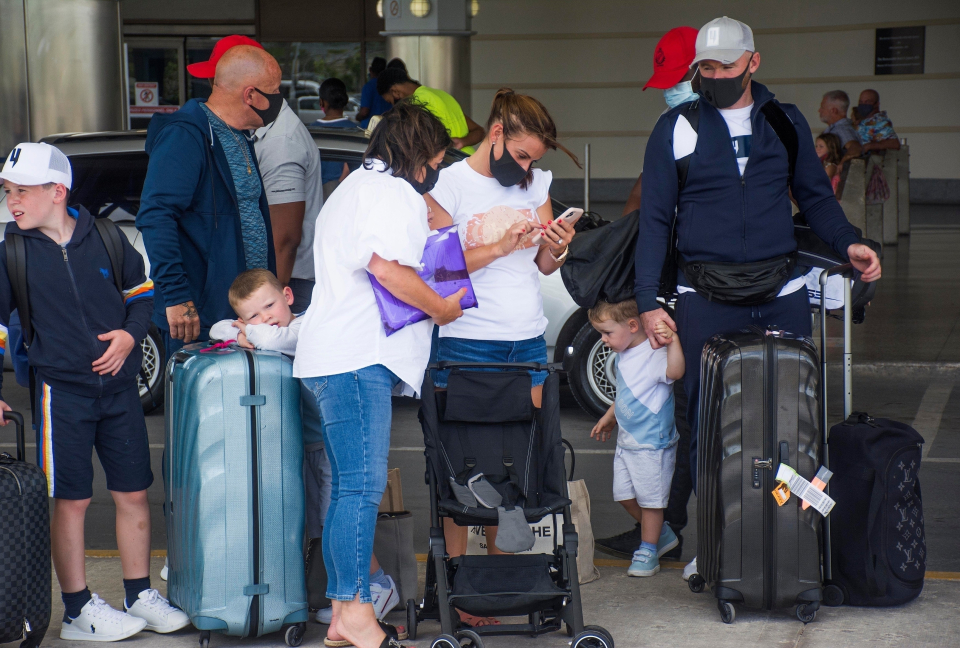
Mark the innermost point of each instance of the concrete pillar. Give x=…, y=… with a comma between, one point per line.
x=853, y=199
x=435, y=46
x=903, y=189
x=874, y=213
x=73, y=53
x=892, y=203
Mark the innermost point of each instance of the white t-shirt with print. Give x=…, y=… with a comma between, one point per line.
x=509, y=306
x=371, y=212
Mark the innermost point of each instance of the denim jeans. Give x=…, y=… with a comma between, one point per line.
x=466, y=350
x=357, y=412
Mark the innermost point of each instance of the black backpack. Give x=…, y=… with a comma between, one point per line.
x=787, y=134
x=876, y=534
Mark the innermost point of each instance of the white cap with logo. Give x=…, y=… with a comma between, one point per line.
x=724, y=40
x=36, y=164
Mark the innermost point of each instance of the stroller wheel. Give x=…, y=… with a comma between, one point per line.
x=469, y=639
x=593, y=637
x=445, y=641
x=411, y=619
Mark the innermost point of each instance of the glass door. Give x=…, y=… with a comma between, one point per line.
x=155, y=78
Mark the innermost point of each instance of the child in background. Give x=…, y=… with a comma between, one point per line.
x=647, y=437
x=266, y=322
x=830, y=153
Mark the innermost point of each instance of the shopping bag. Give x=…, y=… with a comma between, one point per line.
x=393, y=547
x=392, y=501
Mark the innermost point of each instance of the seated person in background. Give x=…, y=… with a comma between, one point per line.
x=393, y=84
x=266, y=322
x=828, y=150
x=875, y=128
x=833, y=113
x=647, y=438
x=333, y=99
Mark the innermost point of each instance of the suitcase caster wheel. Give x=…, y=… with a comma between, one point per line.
x=833, y=596
x=696, y=583
x=805, y=614
x=727, y=611
x=411, y=619
x=469, y=639
x=294, y=634
x=592, y=637
x=205, y=639
x=445, y=641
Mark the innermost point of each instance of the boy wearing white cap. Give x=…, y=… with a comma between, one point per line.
x=83, y=338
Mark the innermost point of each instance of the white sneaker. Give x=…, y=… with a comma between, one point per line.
x=157, y=612
x=384, y=599
x=324, y=615
x=166, y=568
x=100, y=622
x=690, y=569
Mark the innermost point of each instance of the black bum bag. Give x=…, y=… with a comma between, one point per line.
x=740, y=284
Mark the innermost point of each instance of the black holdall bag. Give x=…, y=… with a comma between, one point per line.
x=600, y=265
x=877, y=536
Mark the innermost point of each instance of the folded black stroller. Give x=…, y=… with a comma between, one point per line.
x=494, y=459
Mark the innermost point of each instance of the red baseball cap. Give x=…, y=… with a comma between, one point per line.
x=208, y=69
x=672, y=57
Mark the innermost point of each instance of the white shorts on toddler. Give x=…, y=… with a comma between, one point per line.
x=643, y=475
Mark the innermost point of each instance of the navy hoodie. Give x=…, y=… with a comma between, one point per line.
x=73, y=299
x=190, y=218
x=721, y=216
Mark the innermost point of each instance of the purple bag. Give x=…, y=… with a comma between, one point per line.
x=444, y=270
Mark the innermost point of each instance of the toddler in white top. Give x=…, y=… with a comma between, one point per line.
x=647, y=436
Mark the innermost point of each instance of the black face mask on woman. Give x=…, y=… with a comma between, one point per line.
x=723, y=93
x=269, y=114
x=506, y=170
x=429, y=180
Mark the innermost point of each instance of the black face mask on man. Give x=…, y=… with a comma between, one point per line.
x=723, y=93
x=506, y=170
x=429, y=180
x=269, y=114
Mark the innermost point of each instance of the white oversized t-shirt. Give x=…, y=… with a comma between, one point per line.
x=371, y=212
x=509, y=306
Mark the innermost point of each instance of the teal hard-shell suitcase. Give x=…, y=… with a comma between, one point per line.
x=234, y=492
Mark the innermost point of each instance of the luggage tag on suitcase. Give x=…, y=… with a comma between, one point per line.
x=781, y=493
x=805, y=490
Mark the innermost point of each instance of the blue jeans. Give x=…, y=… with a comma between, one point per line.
x=357, y=411
x=698, y=320
x=464, y=350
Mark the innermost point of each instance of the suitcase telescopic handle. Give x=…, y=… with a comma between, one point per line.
x=21, y=441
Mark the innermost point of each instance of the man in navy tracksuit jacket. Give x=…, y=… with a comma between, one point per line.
x=193, y=214
x=735, y=204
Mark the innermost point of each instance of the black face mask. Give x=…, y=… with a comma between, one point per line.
x=429, y=180
x=506, y=170
x=270, y=114
x=864, y=110
x=723, y=93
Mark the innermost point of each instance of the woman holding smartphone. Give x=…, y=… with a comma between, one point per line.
x=500, y=203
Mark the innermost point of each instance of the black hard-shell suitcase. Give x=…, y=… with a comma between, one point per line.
x=759, y=406
x=24, y=547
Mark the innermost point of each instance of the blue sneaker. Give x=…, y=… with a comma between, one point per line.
x=645, y=563
x=668, y=540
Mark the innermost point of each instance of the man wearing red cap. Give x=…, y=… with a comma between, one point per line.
x=672, y=73
x=208, y=69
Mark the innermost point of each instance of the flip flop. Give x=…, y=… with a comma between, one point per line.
x=396, y=633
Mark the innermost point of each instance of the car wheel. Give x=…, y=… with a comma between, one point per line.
x=151, y=392
x=592, y=378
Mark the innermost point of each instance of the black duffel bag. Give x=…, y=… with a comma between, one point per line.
x=599, y=265
x=876, y=534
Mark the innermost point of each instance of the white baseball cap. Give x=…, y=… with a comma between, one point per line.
x=724, y=40
x=36, y=164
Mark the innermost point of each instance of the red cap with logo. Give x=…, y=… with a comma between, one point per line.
x=672, y=57
x=208, y=69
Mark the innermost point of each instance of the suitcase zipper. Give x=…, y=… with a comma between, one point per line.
x=769, y=505
x=255, y=603
x=15, y=477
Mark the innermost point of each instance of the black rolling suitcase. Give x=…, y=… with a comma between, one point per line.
x=24, y=547
x=759, y=406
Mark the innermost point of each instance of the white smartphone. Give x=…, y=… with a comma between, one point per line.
x=570, y=216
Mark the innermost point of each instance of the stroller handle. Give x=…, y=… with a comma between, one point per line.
x=552, y=367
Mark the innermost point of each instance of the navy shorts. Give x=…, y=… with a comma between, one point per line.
x=69, y=427
x=452, y=349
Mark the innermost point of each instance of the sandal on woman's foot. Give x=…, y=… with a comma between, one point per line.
x=390, y=642
x=398, y=633
x=472, y=621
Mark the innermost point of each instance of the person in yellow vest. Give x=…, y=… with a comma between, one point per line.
x=394, y=84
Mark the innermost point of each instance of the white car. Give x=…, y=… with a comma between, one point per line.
x=109, y=170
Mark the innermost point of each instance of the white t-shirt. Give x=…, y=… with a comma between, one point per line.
x=642, y=390
x=268, y=337
x=741, y=138
x=371, y=212
x=290, y=165
x=509, y=306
